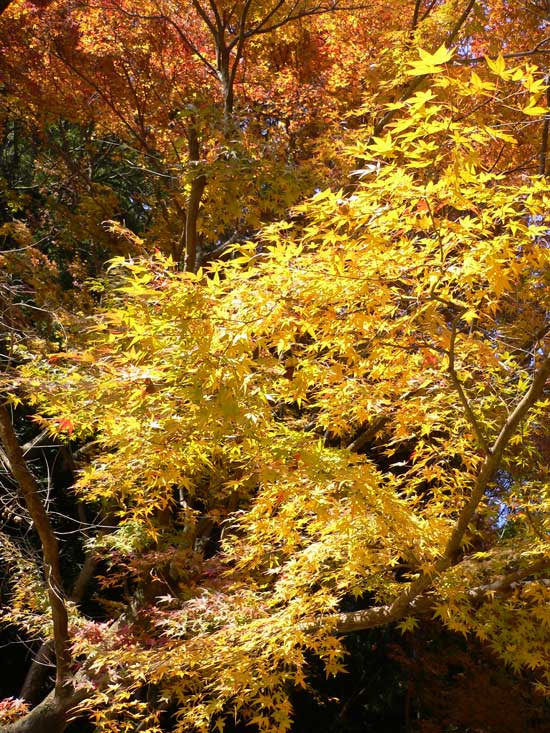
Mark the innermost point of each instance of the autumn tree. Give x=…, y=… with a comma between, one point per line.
x=192, y=88
x=217, y=118
x=353, y=407
x=347, y=412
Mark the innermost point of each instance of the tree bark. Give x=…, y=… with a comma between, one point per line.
x=198, y=184
x=543, y=154
x=35, y=680
x=49, y=716
x=37, y=675
x=30, y=492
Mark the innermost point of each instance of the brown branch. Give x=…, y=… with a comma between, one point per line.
x=198, y=184
x=543, y=155
x=106, y=97
x=201, y=12
x=413, y=85
x=505, y=584
x=258, y=28
x=265, y=25
x=52, y=713
x=538, y=49
x=87, y=572
x=460, y=22
x=493, y=459
x=49, y=715
x=43, y=660
x=367, y=435
x=241, y=38
x=41, y=665
x=381, y=615
x=405, y=601
x=416, y=14
x=462, y=395
x=183, y=36
x=428, y=10
x=417, y=18
x=30, y=492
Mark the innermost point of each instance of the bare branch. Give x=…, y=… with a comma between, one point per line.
x=264, y=26
x=412, y=597
x=43, y=660
x=538, y=49
x=381, y=615
x=258, y=28
x=462, y=395
x=428, y=10
x=416, y=14
x=240, y=42
x=413, y=85
x=204, y=15
x=169, y=21
x=103, y=95
x=220, y=21
x=460, y=22
x=543, y=155
x=31, y=495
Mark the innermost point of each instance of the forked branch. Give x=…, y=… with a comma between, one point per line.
x=457, y=384
x=412, y=596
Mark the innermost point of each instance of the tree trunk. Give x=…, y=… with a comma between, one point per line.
x=49, y=716
x=30, y=491
x=198, y=184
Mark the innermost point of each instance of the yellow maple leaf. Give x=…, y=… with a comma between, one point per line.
x=498, y=65
x=430, y=63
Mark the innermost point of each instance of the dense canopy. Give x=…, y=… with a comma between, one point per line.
x=275, y=370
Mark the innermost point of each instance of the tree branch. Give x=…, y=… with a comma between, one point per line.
x=169, y=21
x=494, y=457
x=412, y=597
x=381, y=615
x=416, y=14
x=201, y=12
x=462, y=395
x=543, y=155
x=198, y=184
x=417, y=18
x=428, y=9
x=30, y=492
x=43, y=659
x=263, y=26
x=538, y=49
x=240, y=40
x=50, y=715
x=413, y=85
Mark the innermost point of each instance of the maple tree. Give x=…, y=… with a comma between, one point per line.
x=350, y=408
x=190, y=86
x=232, y=114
